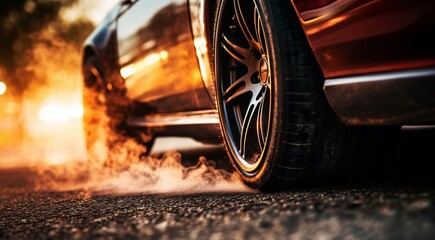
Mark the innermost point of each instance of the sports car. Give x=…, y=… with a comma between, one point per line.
x=298, y=91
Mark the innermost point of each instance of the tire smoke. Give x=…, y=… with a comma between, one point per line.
x=115, y=163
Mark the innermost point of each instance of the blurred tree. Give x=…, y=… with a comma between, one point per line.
x=21, y=21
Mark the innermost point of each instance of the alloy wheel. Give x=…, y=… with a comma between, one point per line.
x=244, y=83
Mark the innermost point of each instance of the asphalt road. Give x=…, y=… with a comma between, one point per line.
x=368, y=212
x=398, y=205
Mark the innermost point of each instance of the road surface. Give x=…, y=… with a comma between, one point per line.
x=398, y=205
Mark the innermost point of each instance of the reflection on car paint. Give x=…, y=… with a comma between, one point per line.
x=353, y=37
x=157, y=57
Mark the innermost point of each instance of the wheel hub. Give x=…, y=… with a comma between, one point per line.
x=264, y=70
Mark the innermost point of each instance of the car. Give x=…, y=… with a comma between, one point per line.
x=298, y=91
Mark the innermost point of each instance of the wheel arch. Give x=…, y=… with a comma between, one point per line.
x=202, y=17
x=88, y=51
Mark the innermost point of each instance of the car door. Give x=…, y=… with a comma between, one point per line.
x=157, y=58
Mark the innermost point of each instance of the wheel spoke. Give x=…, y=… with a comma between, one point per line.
x=245, y=127
x=256, y=99
x=236, y=89
x=241, y=86
x=244, y=26
x=258, y=30
x=240, y=54
x=260, y=131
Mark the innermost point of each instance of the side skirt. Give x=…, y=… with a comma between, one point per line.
x=396, y=98
x=201, y=125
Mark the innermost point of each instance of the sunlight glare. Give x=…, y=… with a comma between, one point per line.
x=56, y=113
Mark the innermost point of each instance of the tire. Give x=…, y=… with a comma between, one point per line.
x=277, y=126
x=108, y=140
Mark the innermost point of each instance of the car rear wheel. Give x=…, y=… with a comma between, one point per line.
x=95, y=121
x=277, y=126
x=108, y=140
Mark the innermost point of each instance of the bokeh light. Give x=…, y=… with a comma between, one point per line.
x=56, y=113
x=2, y=88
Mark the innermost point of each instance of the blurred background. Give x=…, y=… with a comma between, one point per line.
x=40, y=79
